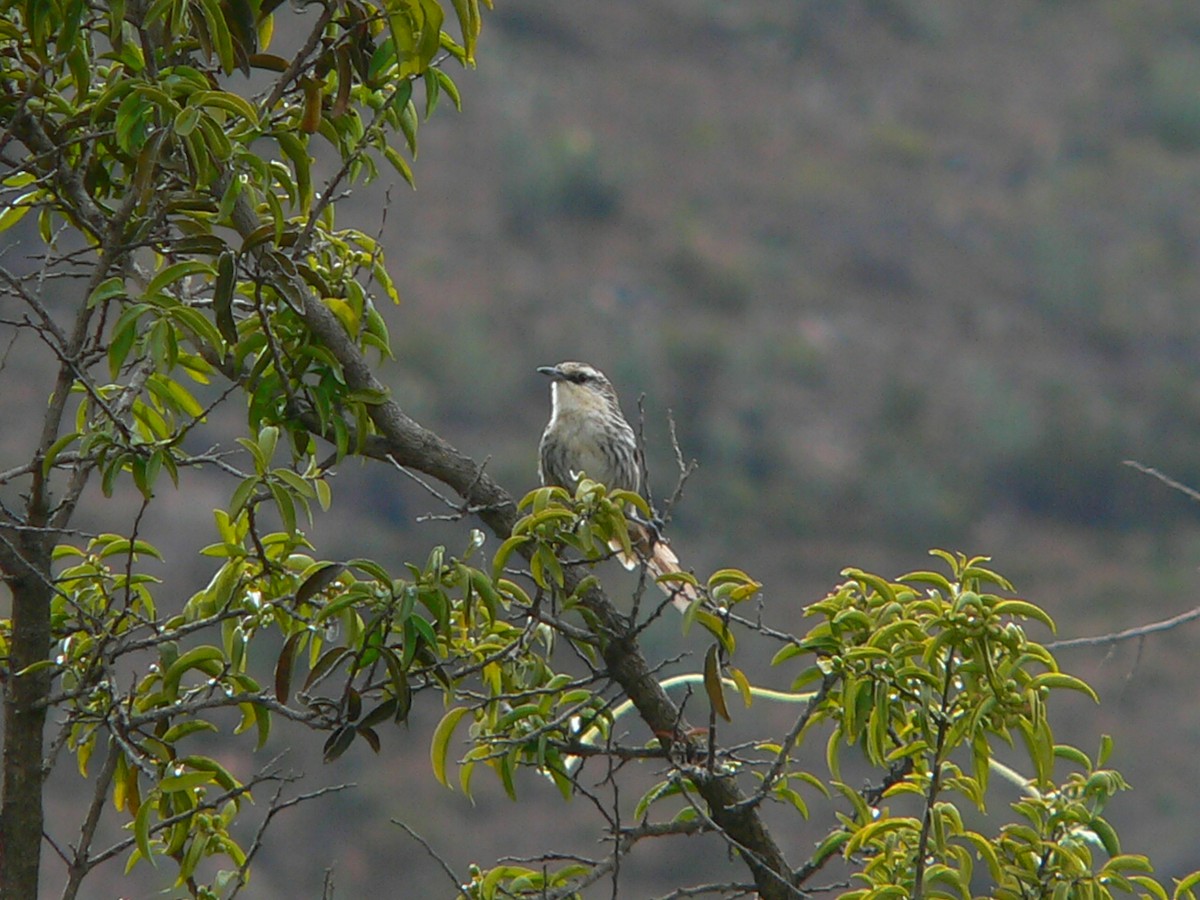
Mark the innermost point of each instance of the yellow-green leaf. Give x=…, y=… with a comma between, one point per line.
x=441, y=742
x=141, y=831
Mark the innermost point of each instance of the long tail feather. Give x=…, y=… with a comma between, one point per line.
x=663, y=561
x=660, y=560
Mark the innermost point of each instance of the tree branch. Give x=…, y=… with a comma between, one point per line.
x=412, y=445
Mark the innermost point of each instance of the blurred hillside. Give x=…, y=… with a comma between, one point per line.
x=909, y=273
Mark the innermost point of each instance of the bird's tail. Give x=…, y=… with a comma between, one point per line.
x=660, y=560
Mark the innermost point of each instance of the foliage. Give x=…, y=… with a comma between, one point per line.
x=190, y=213
x=921, y=677
x=206, y=266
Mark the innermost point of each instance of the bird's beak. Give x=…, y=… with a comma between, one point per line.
x=552, y=371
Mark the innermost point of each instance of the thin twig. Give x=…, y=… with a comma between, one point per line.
x=781, y=757
x=454, y=879
x=685, y=469
x=1190, y=493
x=1128, y=634
x=461, y=510
x=277, y=807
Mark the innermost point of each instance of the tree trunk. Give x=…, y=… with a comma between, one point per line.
x=24, y=720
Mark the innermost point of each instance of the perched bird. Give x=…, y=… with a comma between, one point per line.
x=588, y=435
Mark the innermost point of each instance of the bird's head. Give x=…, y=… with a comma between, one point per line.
x=576, y=385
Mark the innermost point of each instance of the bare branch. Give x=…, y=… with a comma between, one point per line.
x=81, y=864
x=1128, y=634
x=1190, y=493
x=277, y=806
x=433, y=854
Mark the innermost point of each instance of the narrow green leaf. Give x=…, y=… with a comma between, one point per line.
x=197, y=657
x=227, y=101
x=16, y=210
x=448, y=85
x=712, y=682
x=325, y=664
x=186, y=120
x=185, y=781
x=319, y=578
x=1063, y=680
x=1108, y=837
x=55, y=449
x=1186, y=885
x=1025, y=610
x=177, y=272
x=283, y=667
x=219, y=33
x=339, y=742
x=223, y=297
x=181, y=730
x=106, y=290
x=400, y=165
x=831, y=754
x=440, y=745
x=286, y=506
x=141, y=831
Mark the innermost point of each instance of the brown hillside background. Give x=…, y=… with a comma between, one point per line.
x=908, y=273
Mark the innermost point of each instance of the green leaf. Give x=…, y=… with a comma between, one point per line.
x=448, y=85
x=222, y=41
x=1063, y=680
x=469, y=23
x=1074, y=755
x=432, y=91
x=339, y=742
x=181, y=730
x=317, y=580
x=227, y=101
x=185, y=781
x=124, y=333
x=935, y=579
x=141, y=831
x=197, y=657
x=1108, y=837
x=832, y=844
x=743, y=685
x=1186, y=885
x=174, y=395
x=400, y=165
x=286, y=506
x=186, y=120
x=16, y=210
x=296, y=151
x=440, y=745
x=1025, y=610
x=1155, y=889
x=55, y=449
x=223, y=297
x=106, y=290
x=831, y=753
x=328, y=660
x=283, y=667
x=712, y=682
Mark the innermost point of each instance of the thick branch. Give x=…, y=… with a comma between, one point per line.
x=413, y=445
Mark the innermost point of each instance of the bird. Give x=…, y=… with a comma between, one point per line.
x=589, y=435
